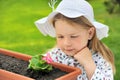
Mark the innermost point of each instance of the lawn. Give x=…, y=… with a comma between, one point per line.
x=18, y=32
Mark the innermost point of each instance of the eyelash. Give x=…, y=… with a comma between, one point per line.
x=70, y=36
x=60, y=37
x=74, y=36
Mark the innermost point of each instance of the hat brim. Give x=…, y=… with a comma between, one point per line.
x=101, y=30
x=47, y=28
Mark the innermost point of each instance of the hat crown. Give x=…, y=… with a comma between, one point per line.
x=79, y=6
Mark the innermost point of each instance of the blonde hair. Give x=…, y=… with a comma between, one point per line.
x=95, y=44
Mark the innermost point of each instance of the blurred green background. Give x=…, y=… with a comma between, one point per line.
x=19, y=33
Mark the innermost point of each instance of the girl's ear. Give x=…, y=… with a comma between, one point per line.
x=91, y=32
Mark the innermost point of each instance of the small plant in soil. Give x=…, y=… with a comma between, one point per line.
x=40, y=63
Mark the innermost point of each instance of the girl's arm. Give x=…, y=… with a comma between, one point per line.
x=84, y=57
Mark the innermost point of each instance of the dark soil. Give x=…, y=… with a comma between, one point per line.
x=20, y=67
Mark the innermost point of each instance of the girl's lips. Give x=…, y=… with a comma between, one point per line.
x=69, y=50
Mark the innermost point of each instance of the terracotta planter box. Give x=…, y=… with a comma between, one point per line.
x=6, y=75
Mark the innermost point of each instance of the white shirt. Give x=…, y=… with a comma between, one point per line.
x=103, y=69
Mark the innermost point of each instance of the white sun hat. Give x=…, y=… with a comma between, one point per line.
x=72, y=9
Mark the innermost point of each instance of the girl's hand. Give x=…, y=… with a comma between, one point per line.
x=84, y=57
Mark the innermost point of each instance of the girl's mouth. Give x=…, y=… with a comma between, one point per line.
x=69, y=50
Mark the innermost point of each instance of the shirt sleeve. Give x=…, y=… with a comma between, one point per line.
x=103, y=69
x=101, y=76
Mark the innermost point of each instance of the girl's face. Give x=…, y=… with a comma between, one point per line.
x=71, y=38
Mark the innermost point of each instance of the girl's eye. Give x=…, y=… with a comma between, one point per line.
x=60, y=37
x=74, y=36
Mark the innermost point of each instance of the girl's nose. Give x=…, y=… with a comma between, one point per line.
x=67, y=42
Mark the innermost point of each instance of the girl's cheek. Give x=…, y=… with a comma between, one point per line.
x=59, y=44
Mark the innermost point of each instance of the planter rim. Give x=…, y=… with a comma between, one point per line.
x=15, y=54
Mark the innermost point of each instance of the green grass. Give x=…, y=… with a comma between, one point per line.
x=18, y=32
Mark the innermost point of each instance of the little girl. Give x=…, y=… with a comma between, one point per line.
x=78, y=38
